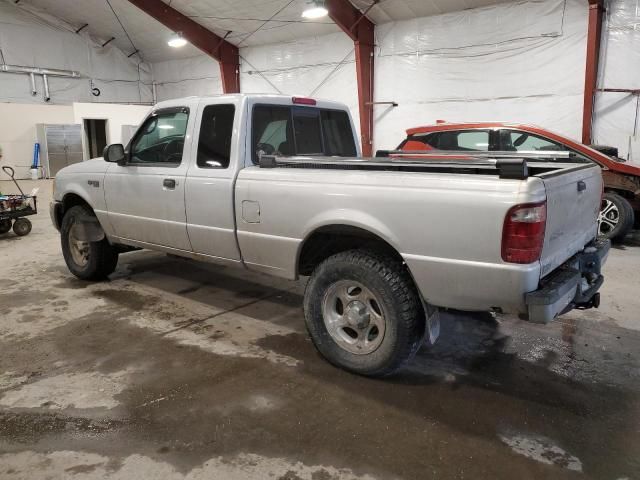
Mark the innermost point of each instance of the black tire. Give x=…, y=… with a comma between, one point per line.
x=101, y=257
x=5, y=226
x=403, y=315
x=22, y=227
x=616, y=217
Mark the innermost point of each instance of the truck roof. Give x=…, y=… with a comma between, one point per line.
x=444, y=126
x=266, y=97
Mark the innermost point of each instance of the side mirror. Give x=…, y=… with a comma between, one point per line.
x=114, y=153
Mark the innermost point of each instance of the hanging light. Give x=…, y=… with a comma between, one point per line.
x=177, y=41
x=315, y=9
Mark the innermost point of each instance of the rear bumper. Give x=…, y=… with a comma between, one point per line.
x=573, y=285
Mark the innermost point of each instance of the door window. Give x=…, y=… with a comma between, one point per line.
x=457, y=140
x=216, y=130
x=160, y=140
x=518, y=141
x=470, y=140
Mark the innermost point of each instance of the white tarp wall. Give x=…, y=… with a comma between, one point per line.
x=520, y=61
x=616, y=119
x=323, y=67
x=29, y=40
x=190, y=76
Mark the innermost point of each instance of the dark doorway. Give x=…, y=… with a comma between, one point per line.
x=95, y=131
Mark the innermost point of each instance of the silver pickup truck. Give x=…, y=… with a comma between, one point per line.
x=274, y=184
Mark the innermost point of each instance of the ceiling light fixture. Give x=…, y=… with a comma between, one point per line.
x=177, y=41
x=316, y=9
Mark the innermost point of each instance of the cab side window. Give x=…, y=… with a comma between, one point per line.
x=216, y=131
x=160, y=140
x=272, y=131
x=286, y=131
x=338, y=136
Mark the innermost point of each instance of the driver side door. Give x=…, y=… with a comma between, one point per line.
x=145, y=195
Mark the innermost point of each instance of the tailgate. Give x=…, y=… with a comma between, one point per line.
x=573, y=202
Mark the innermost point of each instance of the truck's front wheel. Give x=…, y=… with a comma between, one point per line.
x=363, y=312
x=86, y=260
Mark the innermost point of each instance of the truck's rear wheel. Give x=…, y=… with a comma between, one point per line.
x=86, y=260
x=363, y=312
x=616, y=217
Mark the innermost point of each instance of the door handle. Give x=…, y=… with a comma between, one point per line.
x=169, y=183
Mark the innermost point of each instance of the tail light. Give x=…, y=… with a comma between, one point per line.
x=523, y=233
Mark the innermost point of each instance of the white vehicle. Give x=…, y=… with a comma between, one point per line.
x=273, y=184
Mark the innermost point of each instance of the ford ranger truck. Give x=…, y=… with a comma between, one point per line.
x=274, y=184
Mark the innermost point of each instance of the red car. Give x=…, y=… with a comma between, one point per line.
x=622, y=180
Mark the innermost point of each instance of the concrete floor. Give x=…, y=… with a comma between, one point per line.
x=180, y=370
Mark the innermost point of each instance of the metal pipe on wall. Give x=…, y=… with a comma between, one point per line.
x=52, y=72
x=45, y=82
x=32, y=78
x=45, y=72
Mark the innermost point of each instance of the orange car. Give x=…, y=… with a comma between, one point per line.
x=622, y=180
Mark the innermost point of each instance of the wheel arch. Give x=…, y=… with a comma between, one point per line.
x=69, y=200
x=329, y=239
x=72, y=199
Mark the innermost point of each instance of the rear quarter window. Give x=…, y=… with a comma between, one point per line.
x=285, y=131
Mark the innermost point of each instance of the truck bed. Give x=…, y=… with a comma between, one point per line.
x=512, y=167
x=445, y=217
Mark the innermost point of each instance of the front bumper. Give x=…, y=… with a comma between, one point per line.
x=55, y=211
x=573, y=285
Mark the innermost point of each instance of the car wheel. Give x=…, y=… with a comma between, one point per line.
x=616, y=217
x=86, y=260
x=22, y=227
x=5, y=226
x=363, y=312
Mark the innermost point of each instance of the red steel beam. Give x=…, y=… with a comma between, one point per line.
x=360, y=29
x=594, y=34
x=227, y=54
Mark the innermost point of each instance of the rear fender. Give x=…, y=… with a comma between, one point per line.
x=351, y=218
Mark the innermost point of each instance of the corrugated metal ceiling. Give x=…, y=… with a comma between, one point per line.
x=251, y=22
